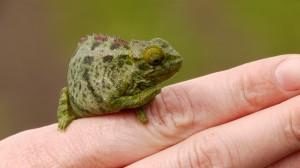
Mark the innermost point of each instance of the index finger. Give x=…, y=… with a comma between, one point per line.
x=177, y=113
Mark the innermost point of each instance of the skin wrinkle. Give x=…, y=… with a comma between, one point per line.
x=252, y=104
x=172, y=107
x=285, y=121
x=232, y=85
x=212, y=149
x=159, y=123
x=228, y=151
x=236, y=152
x=218, y=150
x=291, y=131
x=249, y=81
x=284, y=58
x=154, y=111
x=174, y=113
x=201, y=153
x=290, y=161
x=184, y=102
x=195, y=154
x=179, y=108
x=191, y=107
x=167, y=108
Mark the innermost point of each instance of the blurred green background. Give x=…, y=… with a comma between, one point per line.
x=37, y=38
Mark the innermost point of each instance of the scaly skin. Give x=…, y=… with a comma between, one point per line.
x=108, y=74
x=65, y=113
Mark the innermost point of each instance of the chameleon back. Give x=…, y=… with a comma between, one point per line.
x=96, y=72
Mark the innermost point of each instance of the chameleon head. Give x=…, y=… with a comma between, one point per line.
x=155, y=60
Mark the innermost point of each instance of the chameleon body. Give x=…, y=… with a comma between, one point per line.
x=108, y=74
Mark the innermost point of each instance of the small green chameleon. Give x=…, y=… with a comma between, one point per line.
x=108, y=74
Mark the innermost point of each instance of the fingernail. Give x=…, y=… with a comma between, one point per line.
x=288, y=74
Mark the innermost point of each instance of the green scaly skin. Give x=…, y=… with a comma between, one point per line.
x=65, y=112
x=108, y=74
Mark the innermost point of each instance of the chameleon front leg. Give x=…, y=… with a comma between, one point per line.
x=137, y=101
x=65, y=113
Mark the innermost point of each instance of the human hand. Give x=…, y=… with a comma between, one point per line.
x=248, y=116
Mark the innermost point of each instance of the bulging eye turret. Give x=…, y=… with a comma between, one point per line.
x=154, y=55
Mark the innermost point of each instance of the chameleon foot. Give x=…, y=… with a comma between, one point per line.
x=141, y=115
x=64, y=121
x=65, y=113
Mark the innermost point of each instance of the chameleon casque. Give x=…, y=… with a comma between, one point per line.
x=108, y=74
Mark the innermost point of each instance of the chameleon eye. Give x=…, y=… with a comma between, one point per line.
x=154, y=55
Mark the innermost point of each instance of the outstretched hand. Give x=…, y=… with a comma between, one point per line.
x=248, y=116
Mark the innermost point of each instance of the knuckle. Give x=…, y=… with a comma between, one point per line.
x=207, y=152
x=182, y=115
x=173, y=109
x=254, y=91
x=292, y=130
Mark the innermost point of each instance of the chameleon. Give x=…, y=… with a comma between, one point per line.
x=108, y=74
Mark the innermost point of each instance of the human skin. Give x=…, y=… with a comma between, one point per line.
x=248, y=116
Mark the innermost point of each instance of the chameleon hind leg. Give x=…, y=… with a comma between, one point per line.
x=65, y=114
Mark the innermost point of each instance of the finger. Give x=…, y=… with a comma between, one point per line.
x=197, y=104
x=178, y=112
x=292, y=161
x=92, y=142
x=256, y=140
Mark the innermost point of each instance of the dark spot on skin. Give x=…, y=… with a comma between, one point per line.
x=88, y=60
x=118, y=43
x=114, y=46
x=107, y=58
x=107, y=87
x=128, y=62
x=100, y=38
x=86, y=75
x=142, y=86
x=79, y=87
x=75, y=85
x=90, y=87
x=83, y=39
x=142, y=66
x=77, y=106
x=112, y=68
x=95, y=44
x=92, y=90
x=123, y=56
x=164, y=45
x=103, y=83
x=120, y=63
x=72, y=74
x=121, y=42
